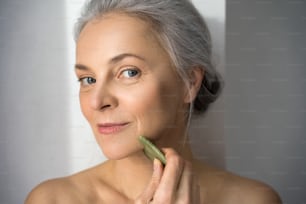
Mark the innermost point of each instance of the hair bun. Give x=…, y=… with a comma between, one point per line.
x=210, y=90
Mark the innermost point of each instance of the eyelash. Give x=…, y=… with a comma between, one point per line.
x=81, y=81
x=130, y=69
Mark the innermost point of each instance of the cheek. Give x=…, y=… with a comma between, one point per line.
x=84, y=105
x=140, y=100
x=154, y=106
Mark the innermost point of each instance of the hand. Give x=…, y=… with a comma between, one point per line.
x=174, y=184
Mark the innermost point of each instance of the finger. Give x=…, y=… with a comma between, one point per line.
x=148, y=193
x=186, y=186
x=171, y=176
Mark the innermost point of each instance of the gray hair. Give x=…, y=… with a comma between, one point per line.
x=182, y=30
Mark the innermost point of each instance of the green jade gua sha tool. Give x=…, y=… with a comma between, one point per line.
x=151, y=150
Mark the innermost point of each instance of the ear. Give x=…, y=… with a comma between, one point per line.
x=196, y=75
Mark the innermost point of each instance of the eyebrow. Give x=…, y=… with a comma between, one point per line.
x=81, y=67
x=120, y=57
x=113, y=60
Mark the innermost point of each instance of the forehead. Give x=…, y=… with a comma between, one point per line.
x=117, y=31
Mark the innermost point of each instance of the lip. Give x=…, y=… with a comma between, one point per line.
x=111, y=128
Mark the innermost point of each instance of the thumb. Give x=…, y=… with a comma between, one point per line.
x=148, y=193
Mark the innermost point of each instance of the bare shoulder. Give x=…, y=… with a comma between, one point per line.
x=219, y=186
x=59, y=190
x=88, y=186
x=249, y=191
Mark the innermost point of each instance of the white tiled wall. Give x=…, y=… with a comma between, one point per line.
x=265, y=93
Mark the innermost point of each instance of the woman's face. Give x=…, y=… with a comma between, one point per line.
x=128, y=86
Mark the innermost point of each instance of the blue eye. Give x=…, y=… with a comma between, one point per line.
x=87, y=81
x=129, y=73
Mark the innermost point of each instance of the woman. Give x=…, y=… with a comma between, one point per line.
x=144, y=67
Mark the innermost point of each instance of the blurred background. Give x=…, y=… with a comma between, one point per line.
x=255, y=129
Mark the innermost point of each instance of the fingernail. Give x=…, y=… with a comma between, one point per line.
x=155, y=164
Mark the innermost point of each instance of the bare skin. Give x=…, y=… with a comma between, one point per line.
x=128, y=89
x=96, y=185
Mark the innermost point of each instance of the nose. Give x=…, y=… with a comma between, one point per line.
x=103, y=98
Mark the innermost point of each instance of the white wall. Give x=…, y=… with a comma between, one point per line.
x=33, y=91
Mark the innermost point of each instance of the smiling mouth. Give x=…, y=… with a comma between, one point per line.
x=111, y=128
